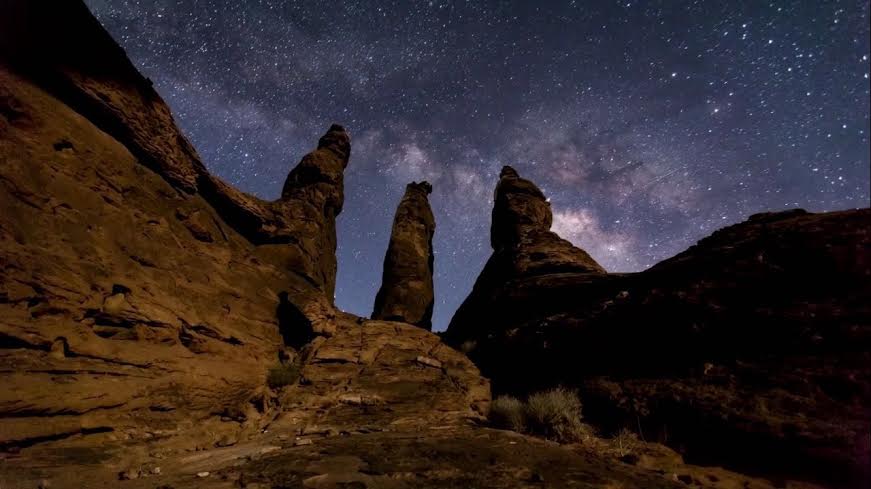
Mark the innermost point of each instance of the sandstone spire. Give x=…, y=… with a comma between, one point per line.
x=521, y=227
x=524, y=249
x=314, y=194
x=406, y=292
x=519, y=207
x=323, y=166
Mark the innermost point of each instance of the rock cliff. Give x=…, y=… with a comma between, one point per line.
x=406, y=292
x=757, y=337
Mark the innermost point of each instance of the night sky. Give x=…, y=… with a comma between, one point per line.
x=648, y=124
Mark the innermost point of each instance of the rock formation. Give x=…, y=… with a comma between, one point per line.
x=137, y=291
x=757, y=337
x=93, y=77
x=406, y=292
x=159, y=328
x=520, y=230
x=525, y=251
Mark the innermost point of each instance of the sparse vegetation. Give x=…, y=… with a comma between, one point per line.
x=507, y=412
x=553, y=414
x=282, y=375
x=625, y=441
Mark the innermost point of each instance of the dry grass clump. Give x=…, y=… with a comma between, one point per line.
x=625, y=442
x=507, y=412
x=553, y=414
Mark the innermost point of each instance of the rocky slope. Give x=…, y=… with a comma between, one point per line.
x=750, y=348
x=406, y=292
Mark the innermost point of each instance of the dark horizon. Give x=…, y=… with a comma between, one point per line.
x=648, y=126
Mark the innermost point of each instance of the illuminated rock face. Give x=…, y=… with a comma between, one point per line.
x=406, y=292
x=156, y=293
x=144, y=305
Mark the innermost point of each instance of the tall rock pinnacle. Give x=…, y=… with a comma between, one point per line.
x=519, y=207
x=314, y=193
x=406, y=292
x=521, y=227
x=524, y=251
x=323, y=166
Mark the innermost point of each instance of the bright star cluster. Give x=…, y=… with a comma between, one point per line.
x=648, y=124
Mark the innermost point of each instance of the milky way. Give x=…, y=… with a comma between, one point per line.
x=648, y=124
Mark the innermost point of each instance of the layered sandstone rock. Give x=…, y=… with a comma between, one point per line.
x=63, y=50
x=138, y=293
x=520, y=230
x=406, y=292
x=757, y=337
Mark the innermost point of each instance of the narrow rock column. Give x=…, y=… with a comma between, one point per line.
x=406, y=292
x=519, y=207
x=314, y=190
x=520, y=229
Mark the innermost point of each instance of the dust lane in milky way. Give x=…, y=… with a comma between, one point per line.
x=648, y=124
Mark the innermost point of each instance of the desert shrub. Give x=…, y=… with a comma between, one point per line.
x=556, y=415
x=553, y=414
x=507, y=412
x=625, y=441
x=282, y=375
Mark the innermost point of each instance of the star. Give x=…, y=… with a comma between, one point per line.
x=619, y=113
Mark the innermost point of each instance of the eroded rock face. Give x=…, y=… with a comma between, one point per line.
x=64, y=51
x=749, y=350
x=406, y=292
x=138, y=293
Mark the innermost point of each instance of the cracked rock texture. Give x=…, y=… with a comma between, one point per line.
x=406, y=292
x=750, y=349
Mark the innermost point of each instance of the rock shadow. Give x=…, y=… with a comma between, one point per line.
x=294, y=326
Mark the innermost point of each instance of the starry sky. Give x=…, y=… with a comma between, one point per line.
x=648, y=124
